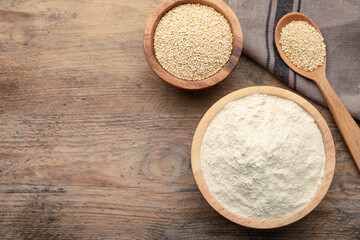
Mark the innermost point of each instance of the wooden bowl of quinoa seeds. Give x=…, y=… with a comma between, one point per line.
x=193, y=44
x=263, y=157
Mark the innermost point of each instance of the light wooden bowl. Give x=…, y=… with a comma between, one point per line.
x=329, y=152
x=148, y=42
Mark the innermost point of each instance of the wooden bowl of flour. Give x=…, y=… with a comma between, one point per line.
x=148, y=42
x=329, y=165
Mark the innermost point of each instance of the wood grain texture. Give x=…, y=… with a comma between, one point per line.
x=149, y=51
x=345, y=122
x=328, y=146
x=94, y=145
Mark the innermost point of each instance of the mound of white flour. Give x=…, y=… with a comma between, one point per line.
x=262, y=157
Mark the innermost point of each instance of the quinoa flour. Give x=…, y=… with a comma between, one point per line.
x=262, y=157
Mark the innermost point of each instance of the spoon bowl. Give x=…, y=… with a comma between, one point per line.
x=285, y=20
x=346, y=124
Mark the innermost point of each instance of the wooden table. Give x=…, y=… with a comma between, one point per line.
x=94, y=145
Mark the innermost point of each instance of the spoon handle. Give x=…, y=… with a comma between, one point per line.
x=346, y=124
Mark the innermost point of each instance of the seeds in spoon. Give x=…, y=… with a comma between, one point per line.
x=303, y=45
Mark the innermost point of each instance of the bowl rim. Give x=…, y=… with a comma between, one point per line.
x=329, y=153
x=148, y=44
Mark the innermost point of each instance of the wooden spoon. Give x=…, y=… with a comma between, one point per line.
x=348, y=127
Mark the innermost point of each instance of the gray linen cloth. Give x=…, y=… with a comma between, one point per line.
x=339, y=22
